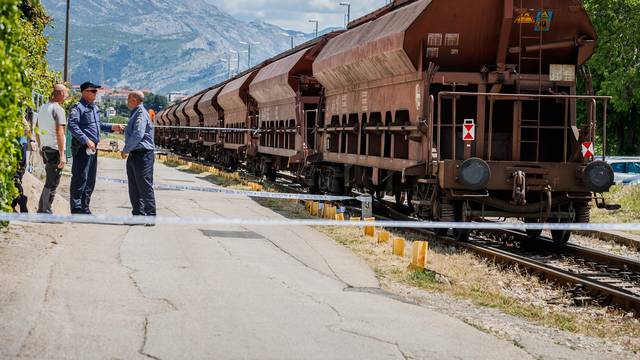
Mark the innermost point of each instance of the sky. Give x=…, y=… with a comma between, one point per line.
x=295, y=14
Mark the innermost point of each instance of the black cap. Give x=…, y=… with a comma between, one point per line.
x=89, y=85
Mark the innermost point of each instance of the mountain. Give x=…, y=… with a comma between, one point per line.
x=162, y=45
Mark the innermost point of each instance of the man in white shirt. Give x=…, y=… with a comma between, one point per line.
x=51, y=131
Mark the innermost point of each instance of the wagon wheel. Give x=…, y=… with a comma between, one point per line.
x=461, y=235
x=582, y=216
x=533, y=234
x=447, y=214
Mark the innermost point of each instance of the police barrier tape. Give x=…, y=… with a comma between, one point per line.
x=254, y=194
x=208, y=221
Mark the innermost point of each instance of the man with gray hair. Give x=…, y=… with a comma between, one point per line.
x=139, y=150
x=51, y=135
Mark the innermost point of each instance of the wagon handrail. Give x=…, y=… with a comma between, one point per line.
x=557, y=96
x=491, y=96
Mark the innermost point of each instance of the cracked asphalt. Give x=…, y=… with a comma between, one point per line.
x=174, y=292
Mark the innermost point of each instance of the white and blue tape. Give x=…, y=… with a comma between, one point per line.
x=208, y=221
x=253, y=194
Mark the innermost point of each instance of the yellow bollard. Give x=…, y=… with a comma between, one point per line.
x=398, y=246
x=383, y=237
x=340, y=216
x=307, y=205
x=369, y=230
x=419, y=251
x=330, y=212
x=314, y=208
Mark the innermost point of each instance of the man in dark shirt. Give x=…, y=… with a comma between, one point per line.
x=85, y=126
x=139, y=151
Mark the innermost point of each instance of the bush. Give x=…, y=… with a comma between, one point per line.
x=13, y=91
x=23, y=68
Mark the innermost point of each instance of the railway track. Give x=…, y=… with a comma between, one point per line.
x=591, y=276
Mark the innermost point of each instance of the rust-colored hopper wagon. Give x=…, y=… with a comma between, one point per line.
x=289, y=101
x=466, y=110
x=240, y=113
x=182, y=123
x=211, y=118
x=194, y=122
x=173, y=135
x=158, y=129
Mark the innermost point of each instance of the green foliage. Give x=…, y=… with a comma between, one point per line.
x=13, y=89
x=118, y=119
x=22, y=68
x=155, y=102
x=616, y=68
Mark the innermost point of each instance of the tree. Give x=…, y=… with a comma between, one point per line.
x=155, y=102
x=616, y=68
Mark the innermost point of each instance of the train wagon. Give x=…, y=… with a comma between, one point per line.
x=467, y=109
x=212, y=116
x=194, y=121
x=289, y=102
x=158, y=129
x=174, y=140
x=240, y=113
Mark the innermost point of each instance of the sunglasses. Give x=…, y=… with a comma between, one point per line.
x=95, y=91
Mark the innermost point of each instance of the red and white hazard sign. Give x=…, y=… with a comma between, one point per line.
x=469, y=130
x=587, y=150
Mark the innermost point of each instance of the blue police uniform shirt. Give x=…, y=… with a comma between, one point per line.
x=84, y=122
x=139, y=132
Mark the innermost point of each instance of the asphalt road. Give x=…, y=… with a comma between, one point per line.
x=172, y=292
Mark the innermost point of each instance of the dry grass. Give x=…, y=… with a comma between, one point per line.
x=110, y=154
x=629, y=198
x=218, y=179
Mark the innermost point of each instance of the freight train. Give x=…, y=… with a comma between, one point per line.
x=463, y=110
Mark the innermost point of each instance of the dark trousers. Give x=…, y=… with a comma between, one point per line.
x=51, y=161
x=140, y=176
x=83, y=179
x=21, y=200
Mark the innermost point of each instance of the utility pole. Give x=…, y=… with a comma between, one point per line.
x=249, y=43
x=229, y=62
x=66, y=45
x=238, y=52
x=348, y=5
x=315, y=22
x=292, y=36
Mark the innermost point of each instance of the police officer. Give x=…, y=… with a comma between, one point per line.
x=139, y=152
x=85, y=126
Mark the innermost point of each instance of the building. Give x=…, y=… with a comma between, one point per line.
x=176, y=96
x=111, y=112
